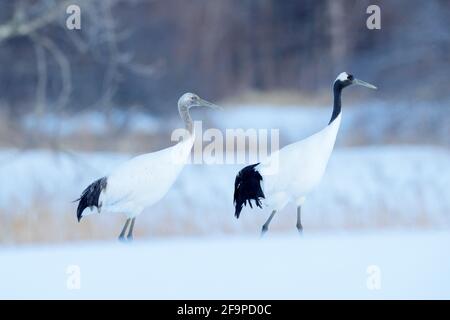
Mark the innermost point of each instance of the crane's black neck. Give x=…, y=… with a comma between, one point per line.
x=337, y=91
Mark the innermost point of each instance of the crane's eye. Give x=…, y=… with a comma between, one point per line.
x=350, y=77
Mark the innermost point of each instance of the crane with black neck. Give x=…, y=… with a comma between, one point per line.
x=291, y=173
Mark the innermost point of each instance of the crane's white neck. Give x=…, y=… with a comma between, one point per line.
x=329, y=134
x=186, y=117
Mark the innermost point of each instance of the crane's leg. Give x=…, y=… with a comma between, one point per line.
x=299, y=220
x=265, y=226
x=122, y=234
x=130, y=232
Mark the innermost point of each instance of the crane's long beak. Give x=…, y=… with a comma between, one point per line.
x=364, y=84
x=207, y=104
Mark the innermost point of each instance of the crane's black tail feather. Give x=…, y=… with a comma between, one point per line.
x=247, y=187
x=89, y=197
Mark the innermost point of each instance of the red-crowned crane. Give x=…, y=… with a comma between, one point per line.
x=143, y=180
x=290, y=173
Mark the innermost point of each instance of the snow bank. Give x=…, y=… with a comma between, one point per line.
x=93, y=122
x=363, y=266
x=370, y=186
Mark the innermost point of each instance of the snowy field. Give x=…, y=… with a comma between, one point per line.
x=390, y=265
x=378, y=226
x=364, y=187
x=376, y=177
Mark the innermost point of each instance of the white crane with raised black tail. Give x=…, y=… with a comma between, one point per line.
x=290, y=173
x=143, y=180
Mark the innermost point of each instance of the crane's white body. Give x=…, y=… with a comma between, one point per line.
x=290, y=173
x=144, y=180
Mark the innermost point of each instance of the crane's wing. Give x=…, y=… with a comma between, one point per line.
x=144, y=179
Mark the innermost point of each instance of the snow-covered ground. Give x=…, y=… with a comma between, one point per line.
x=93, y=122
x=391, y=265
x=364, y=187
x=377, y=226
x=368, y=184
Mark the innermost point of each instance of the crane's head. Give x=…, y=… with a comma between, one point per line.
x=345, y=79
x=190, y=100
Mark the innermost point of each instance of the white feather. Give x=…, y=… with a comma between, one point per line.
x=342, y=76
x=145, y=179
x=295, y=170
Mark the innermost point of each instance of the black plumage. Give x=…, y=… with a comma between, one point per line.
x=89, y=197
x=337, y=91
x=247, y=187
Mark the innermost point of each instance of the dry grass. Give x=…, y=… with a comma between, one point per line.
x=39, y=224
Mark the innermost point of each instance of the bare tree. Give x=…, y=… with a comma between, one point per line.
x=42, y=25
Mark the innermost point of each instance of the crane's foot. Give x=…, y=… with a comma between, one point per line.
x=130, y=232
x=124, y=229
x=300, y=229
x=264, y=230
